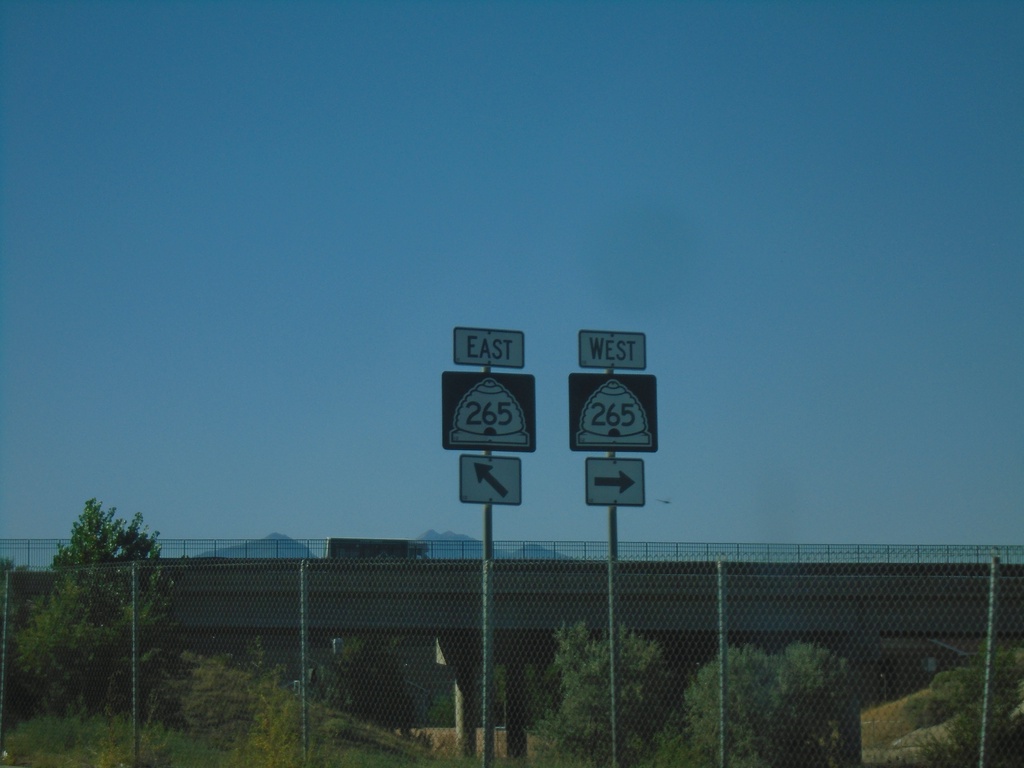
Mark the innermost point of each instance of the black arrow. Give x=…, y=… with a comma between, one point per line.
x=624, y=481
x=483, y=474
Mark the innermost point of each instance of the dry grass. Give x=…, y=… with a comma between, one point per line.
x=890, y=736
x=443, y=742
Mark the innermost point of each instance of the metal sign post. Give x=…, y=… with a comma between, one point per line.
x=613, y=412
x=613, y=645
x=488, y=411
x=487, y=651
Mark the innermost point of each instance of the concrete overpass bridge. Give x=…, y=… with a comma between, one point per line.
x=432, y=597
x=849, y=607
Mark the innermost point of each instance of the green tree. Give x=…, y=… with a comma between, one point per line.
x=783, y=710
x=956, y=700
x=579, y=728
x=366, y=680
x=76, y=645
x=99, y=537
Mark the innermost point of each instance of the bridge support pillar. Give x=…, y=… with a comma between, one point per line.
x=862, y=650
x=467, y=710
x=461, y=652
x=849, y=726
x=515, y=708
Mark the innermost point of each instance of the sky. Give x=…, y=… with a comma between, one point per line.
x=236, y=238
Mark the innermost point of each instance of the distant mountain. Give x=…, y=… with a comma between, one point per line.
x=432, y=535
x=525, y=551
x=459, y=546
x=275, y=545
x=442, y=546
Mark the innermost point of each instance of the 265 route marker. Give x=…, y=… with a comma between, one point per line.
x=488, y=411
x=613, y=412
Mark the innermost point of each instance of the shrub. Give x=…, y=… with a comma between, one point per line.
x=579, y=727
x=218, y=701
x=958, y=695
x=782, y=710
x=274, y=736
x=366, y=680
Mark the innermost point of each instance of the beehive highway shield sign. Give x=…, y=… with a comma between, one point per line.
x=488, y=411
x=613, y=412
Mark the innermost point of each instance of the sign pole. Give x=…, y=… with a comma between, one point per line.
x=484, y=411
x=487, y=651
x=613, y=413
x=613, y=646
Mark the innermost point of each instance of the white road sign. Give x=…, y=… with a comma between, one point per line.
x=615, y=482
x=613, y=349
x=488, y=346
x=490, y=480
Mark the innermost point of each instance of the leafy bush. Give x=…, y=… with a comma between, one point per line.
x=242, y=708
x=958, y=695
x=442, y=712
x=74, y=648
x=366, y=680
x=274, y=736
x=579, y=728
x=217, y=699
x=782, y=710
x=673, y=749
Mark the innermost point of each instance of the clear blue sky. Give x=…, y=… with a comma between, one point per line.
x=236, y=238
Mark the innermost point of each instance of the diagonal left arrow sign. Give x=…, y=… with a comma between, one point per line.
x=484, y=474
x=490, y=479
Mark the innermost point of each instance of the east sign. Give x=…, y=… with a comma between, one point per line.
x=489, y=347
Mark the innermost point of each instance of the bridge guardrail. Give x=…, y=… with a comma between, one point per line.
x=39, y=553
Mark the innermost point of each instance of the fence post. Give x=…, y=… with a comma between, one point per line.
x=3, y=654
x=136, y=720
x=487, y=639
x=723, y=670
x=304, y=653
x=990, y=653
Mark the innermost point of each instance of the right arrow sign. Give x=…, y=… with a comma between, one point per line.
x=615, y=482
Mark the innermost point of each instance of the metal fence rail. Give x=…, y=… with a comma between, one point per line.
x=890, y=656
x=39, y=553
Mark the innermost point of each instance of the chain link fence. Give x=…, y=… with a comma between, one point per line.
x=742, y=656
